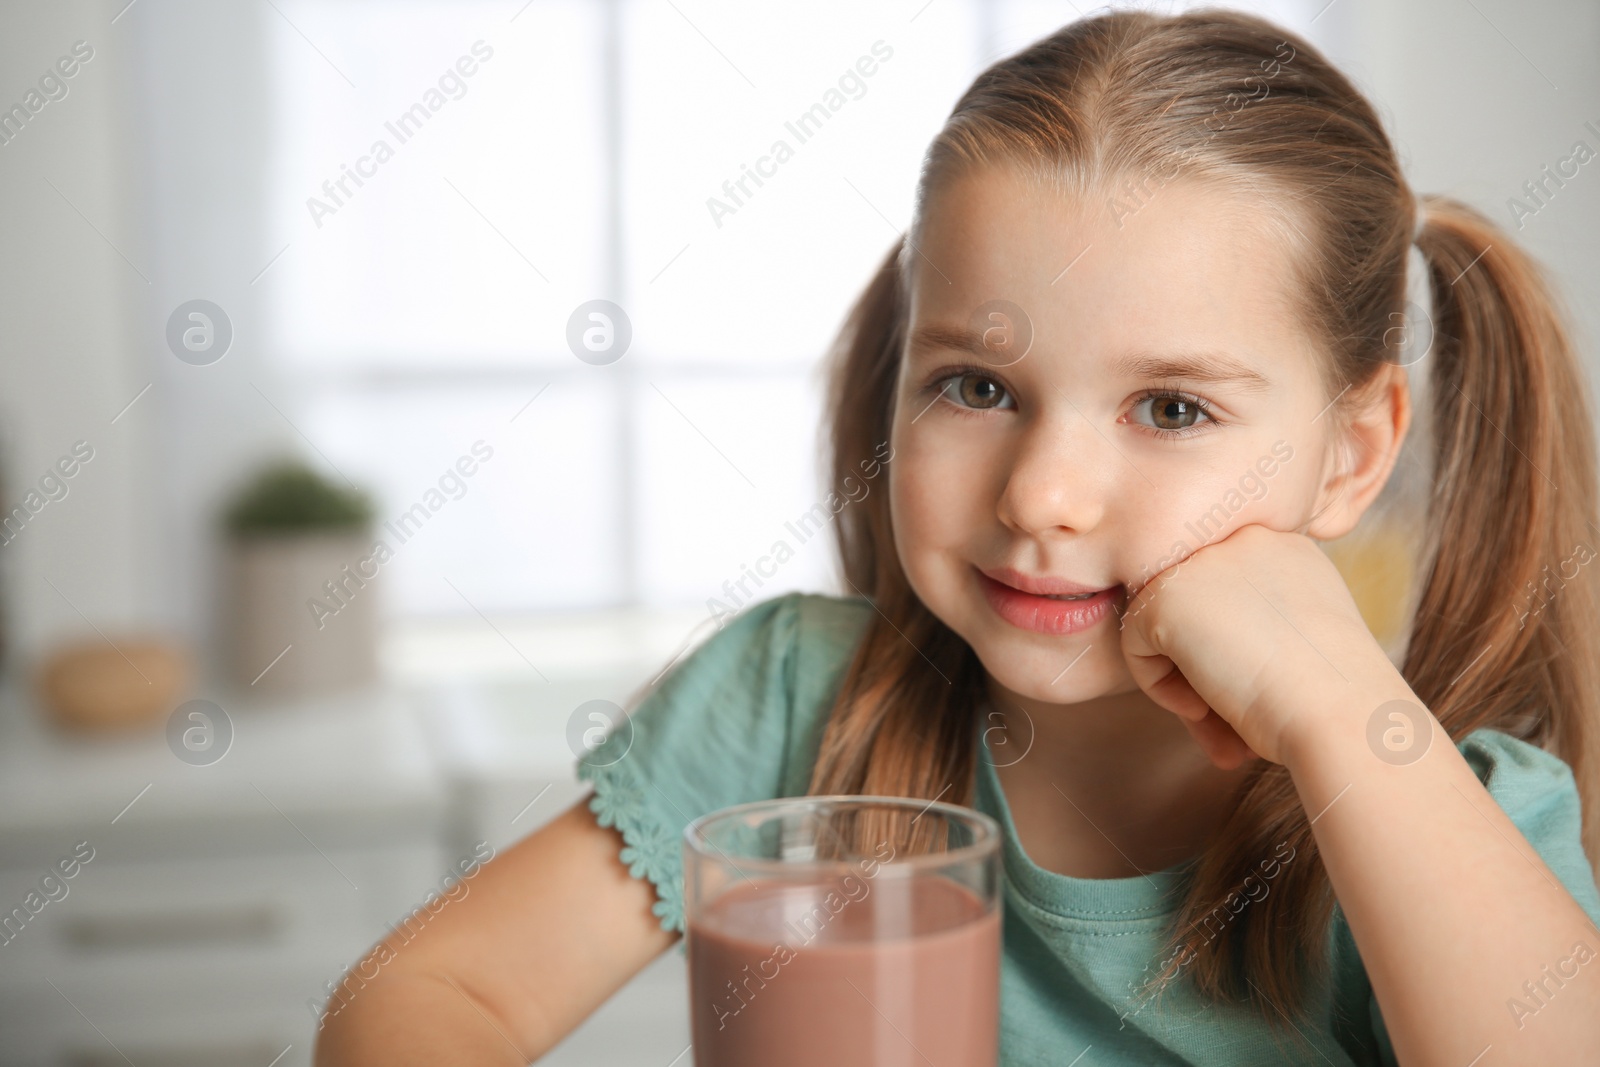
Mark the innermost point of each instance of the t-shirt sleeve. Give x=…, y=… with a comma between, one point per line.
x=716, y=730
x=1537, y=792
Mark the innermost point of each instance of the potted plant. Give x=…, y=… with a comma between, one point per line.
x=302, y=607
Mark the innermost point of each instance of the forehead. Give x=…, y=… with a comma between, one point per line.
x=1125, y=266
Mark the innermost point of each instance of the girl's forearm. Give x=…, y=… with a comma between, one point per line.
x=414, y=1019
x=1457, y=918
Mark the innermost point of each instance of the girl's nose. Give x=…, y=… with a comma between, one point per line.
x=1062, y=471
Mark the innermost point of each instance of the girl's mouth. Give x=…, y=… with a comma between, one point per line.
x=1055, y=613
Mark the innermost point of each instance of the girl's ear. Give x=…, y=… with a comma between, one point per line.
x=1363, y=455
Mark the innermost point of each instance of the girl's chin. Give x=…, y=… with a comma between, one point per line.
x=1072, y=681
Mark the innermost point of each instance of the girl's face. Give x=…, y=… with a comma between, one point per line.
x=1083, y=403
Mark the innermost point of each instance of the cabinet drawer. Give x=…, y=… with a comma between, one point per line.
x=245, y=909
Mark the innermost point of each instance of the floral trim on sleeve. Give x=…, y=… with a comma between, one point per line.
x=649, y=849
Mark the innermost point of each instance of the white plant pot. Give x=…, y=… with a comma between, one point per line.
x=290, y=634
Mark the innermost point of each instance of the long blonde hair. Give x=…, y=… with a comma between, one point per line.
x=1513, y=495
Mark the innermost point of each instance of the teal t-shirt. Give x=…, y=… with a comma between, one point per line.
x=741, y=719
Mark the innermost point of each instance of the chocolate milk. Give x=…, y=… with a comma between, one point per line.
x=853, y=972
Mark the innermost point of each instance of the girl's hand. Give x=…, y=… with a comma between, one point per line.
x=1249, y=640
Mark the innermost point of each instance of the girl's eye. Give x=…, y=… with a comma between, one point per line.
x=974, y=390
x=1174, y=414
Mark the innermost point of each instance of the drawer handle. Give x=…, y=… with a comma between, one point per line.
x=249, y=924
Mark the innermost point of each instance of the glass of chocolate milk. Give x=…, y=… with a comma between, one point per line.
x=843, y=931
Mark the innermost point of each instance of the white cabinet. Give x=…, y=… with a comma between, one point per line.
x=219, y=899
x=223, y=901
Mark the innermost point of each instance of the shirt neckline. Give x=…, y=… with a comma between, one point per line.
x=1153, y=895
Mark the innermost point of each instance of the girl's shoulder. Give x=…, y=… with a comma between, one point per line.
x=1530, y=784
x=1537, y=791
x=736, y=718
x=823, y=619
x=804, y=640
x=1539, y=794
x=828, y=628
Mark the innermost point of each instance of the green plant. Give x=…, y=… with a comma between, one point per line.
x=290, y=497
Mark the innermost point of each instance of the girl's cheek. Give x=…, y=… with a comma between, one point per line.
x=1187, y=516
x=915, y=496
x=943, y=461
x=936, y=501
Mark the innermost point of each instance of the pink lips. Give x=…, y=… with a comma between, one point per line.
x=1019, y=600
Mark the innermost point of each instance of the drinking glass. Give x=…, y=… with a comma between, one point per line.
x=844, y=931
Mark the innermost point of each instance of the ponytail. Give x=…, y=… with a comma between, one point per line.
x=1505, y=630
x=865, y=362
x=902, y=723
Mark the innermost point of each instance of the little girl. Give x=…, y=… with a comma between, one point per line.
x=1168, y=316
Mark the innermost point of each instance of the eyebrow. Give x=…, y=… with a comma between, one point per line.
x=1206, y=368
x=935, y=336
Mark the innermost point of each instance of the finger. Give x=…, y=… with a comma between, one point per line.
x=1221, y=742
x=1239, y=749
x=1154, y=672
x=1203, y=738
x=1214, y=747
x=1161, y=680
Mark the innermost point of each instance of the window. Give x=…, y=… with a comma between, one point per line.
x=451, y=182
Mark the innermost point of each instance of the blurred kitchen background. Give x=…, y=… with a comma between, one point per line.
x=241, y=345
